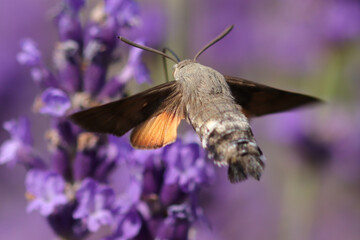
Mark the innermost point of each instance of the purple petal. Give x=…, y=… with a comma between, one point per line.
x=171, y=153
x=55, y=102
x=95, y=204
x=30, y=54
x=47, y=189
x=171, y=194
x=94, y=77
x=174, y=227
x=61, y=163
x=19, y=129
x=83, y=164
x=186, y=166
x=135, y=68
x=142, y=74
x=67, y=62
x=19, y=146
x=69, y=27
x=99, y=219
x=131, y=197
x=126, y=12
x=75, y=5
x=114, y=87
x=172, y=175
x=9, y=150
x=131, y=225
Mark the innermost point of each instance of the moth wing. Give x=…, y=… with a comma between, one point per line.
x=158, y=131
x=258, y=99
x=120, y=116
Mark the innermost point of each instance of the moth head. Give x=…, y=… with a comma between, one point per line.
x=180, y=67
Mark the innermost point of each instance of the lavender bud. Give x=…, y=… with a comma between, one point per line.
x=64, y=225
x=61, y=163
x=69, y=28
x=171, y=194
x=66, y=58
x=84, y=164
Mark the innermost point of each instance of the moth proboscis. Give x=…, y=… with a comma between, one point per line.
x=217, y=106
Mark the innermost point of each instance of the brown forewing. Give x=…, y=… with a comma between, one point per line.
x=258, y=99
x=120, y=116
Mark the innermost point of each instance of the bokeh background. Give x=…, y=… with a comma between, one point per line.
x=311, y=185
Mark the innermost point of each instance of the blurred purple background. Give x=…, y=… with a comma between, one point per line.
x=311, y=185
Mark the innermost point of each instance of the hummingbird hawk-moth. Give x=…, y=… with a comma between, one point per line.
x=217, y=106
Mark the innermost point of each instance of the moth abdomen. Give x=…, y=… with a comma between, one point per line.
x=230, y=142
x=239, y=151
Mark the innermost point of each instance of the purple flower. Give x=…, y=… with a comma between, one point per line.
x=69, y=27
x=95, y=204
x=67, y=61
x=55, y=102
x=131, y=197
x=123, y=146
x=46, y=190
x=20, y=143
x=107, y=159
x=177, y=224
x=30, y=54
x=128, y=227
x=61, y=163
x=100, y=44
x=128, y=216
x=135, y=67
x=187, y=166
x=75, y=5
x=19, y=130
x=125, y=12
x=83, y=161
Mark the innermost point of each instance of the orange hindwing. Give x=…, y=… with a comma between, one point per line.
x=157, y=131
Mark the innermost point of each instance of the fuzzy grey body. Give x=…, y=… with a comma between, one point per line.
x=222, y=127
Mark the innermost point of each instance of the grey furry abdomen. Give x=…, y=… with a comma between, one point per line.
x=222, y=127
x=225, y=132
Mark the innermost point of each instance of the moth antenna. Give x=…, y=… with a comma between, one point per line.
x=147, y=48
x=218, y=38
